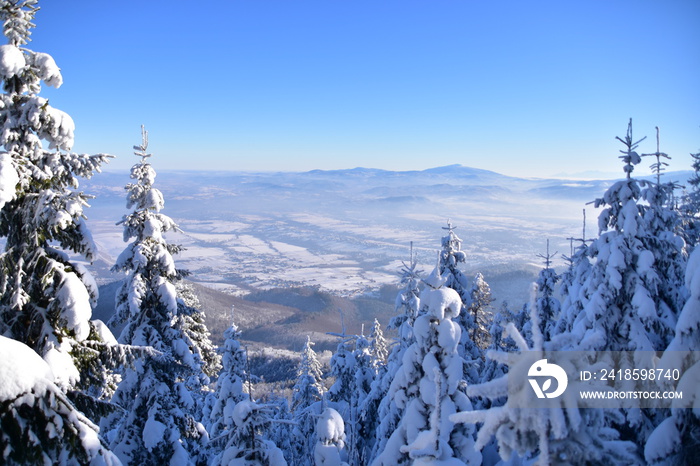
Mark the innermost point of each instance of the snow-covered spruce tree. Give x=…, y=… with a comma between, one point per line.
x=38, y=424
x=548, y=307
x=343, y=369
x=500, y=342
x=690, y=208
x=160, y=425
x=676, y=440
x=426, y=388
x=379, y=414
x=573, y=292
x=662, y=226
x=379, y=350
x=449, y=258
x=191, y=319
x=623, y=307
x=249, y=445
x=230, y=386
x=306, y=394
x=480, y=300
x=622, y=311
x=561, y=434
x=46, y=298
x=330, y=449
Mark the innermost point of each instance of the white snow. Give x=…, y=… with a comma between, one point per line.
x=49, y=72
x=75, y=305
x=22, y=370
x=12, y=61
x=8, y=179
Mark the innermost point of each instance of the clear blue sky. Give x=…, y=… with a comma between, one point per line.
x=530, y=88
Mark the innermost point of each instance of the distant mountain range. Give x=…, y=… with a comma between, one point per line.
x=338, y=237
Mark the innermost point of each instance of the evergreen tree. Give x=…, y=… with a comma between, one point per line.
x=676, y=440
x=426, y=387
x=330, y=449
x=449, y=258
x=380, y=414
x=621, y=302
x=562, y=434
x=548, y=307
x=46, y=299
x=38, y=424
x=378, y=347
x=160, y=425
x=231, y=388
x=306, y=394
x=690, y=209
x=480, y=300
x=248, y=445
x=662, y=223
x=620, y=312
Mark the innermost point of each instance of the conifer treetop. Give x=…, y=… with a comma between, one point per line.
x=629, y=156
x=17, y=18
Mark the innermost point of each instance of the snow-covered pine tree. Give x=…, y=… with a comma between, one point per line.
x=192, y=321
x=572, y=290
x=449, y=258
x=343, y=369
x=46, y=298
x=690, y=208
x=38, y=424
x=621, y=287
x=676, y=440
x=231, y=388
x=480, y=300
x=500, y=342
x=548, y=307
x=622, y=306
x=379, y=349
x=249, y=445
x=330, y=449
x=160, y=425
x=662, y=226
x=562, y=434
x=379, y=414
x=306, y=394
x=426, y=388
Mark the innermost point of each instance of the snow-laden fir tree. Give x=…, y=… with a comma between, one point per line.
x=690, y=208
x=249, y=445
x=378, y=346
x=330, y=448
x=620, y=298
x=449, y=258
x=573, y=292
x=622, y=309
x=191, y=319
x=38, y=424
x=480, y=300
x=379, y=414
x=561, y=433
x=500, y=341
x=676, y=440
x=46, y=299
x=160, y=425
x=306, y=394
x=426, y=388
x=343, y=370
x=231, y=388
x=548, y=307
x=662, y=225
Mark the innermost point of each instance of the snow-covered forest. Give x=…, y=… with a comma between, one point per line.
x=436, y=392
